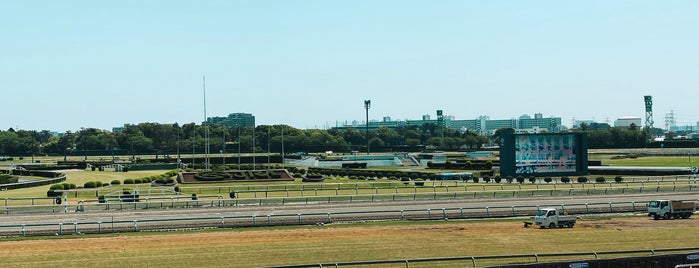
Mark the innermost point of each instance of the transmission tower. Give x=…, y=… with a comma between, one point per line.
x=670, y=121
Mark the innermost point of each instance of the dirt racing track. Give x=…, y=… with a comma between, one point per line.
x=66, y=223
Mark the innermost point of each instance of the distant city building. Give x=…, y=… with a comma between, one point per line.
x=482, y=125
x=627, y=121
x=233, y=120
x=119, y=129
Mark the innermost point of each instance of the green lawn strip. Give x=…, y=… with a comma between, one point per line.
x=651, y=161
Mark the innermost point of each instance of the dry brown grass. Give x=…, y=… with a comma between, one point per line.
x=263, y=247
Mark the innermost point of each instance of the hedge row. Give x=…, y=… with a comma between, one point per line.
x=463, y=165
x=7, y=178
x=372, y=174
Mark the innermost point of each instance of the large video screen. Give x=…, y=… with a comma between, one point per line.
x=550, y=154
x=545, y=154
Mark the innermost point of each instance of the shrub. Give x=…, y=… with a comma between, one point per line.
x=486, y=179
x=582, y=179
x=177, y=189
x=58, y=186
x=497, y=179
x=419, y=182
x=532, y=179
x=618, y=179
x=6, y=178
x=548, y=179
x=565, y=179
x=475, y=179
x=104, y=184
x=353, y=177
x=90, y=184
x=128, y=181
x=137, y=181
x=509, y=179
x=600, y=179
x=69, y=186
x=392, y=178
x=361, y=178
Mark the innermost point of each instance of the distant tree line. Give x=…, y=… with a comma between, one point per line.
x=168, y=139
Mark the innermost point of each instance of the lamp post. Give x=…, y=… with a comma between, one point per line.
x=367, y=105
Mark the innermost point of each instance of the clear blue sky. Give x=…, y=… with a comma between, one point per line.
x=311, y=64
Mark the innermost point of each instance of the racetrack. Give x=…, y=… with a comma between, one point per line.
x=251, y=215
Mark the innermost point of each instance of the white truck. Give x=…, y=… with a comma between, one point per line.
x=671, y=209
x=549, y=217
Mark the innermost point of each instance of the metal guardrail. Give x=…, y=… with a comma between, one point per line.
x=24, y=229
x=431, y=183
x=473, y=260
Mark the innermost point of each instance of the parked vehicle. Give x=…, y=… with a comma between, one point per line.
x=671, y=209
x=549, y=217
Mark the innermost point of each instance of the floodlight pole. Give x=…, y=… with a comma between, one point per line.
x=367, y=105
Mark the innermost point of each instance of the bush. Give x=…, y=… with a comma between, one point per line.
x=128, y=181
x=6, y=178
x=600, y=179
x=91, y=184
x=565, y=179
x=497, y=179
x=137, y=181
x=486, y=179
x=104, y=184
x=58, y=186
x=352, y=177
x=618, y=179
x=419, y=182
x=361, y=178
x=548, y=179
x=582, y=179
x=177, y=189
x=475, y=179
x=509, y=179
x=532, y=179
x=69, y=186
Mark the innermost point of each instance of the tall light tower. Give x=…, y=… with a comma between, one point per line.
x=649, y=116
x=440, y=123
x=367, y=105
